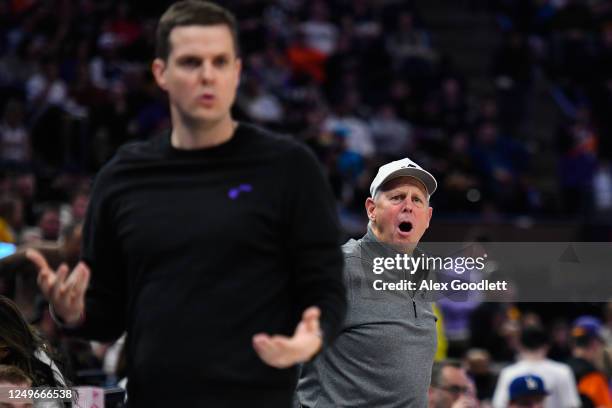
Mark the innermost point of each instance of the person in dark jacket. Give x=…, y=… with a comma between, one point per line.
x=217, y=240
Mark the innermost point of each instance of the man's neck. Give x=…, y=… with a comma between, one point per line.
x=190, y=136
x=533, y=355
x=404, y=248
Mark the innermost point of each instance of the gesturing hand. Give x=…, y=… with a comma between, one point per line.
x=65, y=292
x=282, y=351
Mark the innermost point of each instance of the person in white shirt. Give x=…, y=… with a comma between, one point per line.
x=558, y=378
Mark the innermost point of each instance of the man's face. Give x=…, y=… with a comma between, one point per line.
x=454, y=385
x=201, y=74
x=50, y=225
x=400, y=212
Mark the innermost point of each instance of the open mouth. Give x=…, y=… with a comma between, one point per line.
x=405, y=226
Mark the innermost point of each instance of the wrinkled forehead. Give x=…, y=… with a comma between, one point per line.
x=403, y=181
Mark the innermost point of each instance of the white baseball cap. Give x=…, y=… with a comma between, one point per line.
x=403, y=167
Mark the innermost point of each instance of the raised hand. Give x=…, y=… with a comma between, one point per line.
x=65, y=292
x=282, y=351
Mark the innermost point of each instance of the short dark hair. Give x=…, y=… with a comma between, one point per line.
x=192, y=12
x=533, y=338
x=13, y=375
x=438, y=367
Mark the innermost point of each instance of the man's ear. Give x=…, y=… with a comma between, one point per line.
x=158, y=67
x=238, y=71
x=370, y=207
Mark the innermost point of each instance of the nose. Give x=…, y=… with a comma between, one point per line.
x=408, y=205
x=207, y=72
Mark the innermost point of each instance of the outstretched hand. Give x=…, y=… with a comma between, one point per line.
x=282, y=351
x=65, y=292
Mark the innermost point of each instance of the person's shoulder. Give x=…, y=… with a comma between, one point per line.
x=129, y=155
x=353, y=250
x=512, y=370
x=557, y=367
x=351, y=247
x=142, y=150
x=139, y=151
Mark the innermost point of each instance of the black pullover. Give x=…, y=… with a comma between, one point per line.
x=195, y=251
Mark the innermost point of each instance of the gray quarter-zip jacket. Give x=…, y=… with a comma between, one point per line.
x=384, y=354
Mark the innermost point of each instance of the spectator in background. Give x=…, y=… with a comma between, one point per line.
x=11, y=377
x=45, y=88
x=74, y=212
x=602, y=188
x=24, y=186
x=462, y=185
x=494, y=327
x=47, y=226
x=558, y=377
x=319, y=32
x=345, y=120
x=577, y=143
x=512, y=69
x=606, y=331
x=479, y=369
x=15, y=144
x=453, y=105
x=587, y=351
x=22, y=346
x=11, y=218
x=107, y=69
x=409, y=46
x=307, y=63
x=392, y=135
x=526, y=391
x=501, y=161
x=451, y=387
x=560, y=341
x=261, y=106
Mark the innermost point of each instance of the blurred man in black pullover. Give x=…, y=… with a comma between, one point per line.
x=208, y=243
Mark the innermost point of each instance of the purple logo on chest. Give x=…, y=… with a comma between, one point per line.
x=233, y=193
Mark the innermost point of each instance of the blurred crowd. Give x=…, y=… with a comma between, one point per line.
x=362, y=83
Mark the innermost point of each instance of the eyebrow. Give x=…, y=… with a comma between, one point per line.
x=199, y=57
x=418, y=193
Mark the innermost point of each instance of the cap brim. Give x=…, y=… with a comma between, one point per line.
x=422, y=175
x=530, y=394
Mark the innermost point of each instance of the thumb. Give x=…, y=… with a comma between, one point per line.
x=313, y=312
x=310, y=318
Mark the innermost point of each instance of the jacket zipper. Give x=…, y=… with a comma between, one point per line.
x=415, y=312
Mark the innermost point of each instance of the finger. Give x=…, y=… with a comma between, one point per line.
x=310, y=317
x=78, y=273
x=59, y=286
x=82, y=281
x=45, y=282
x=77, y=287
x=38, y=259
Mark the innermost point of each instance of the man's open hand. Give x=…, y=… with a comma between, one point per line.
x=282, y=351
x=65, y=292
